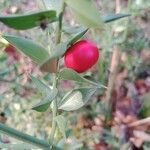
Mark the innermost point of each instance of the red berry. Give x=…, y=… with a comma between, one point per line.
x=81, y=56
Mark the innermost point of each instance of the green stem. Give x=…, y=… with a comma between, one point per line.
x=59, y=27
x=54, y=109
x=54, y=113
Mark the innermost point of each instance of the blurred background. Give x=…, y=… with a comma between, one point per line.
x=86, y=127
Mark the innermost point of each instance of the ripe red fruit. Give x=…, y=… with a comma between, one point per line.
x=81, y=56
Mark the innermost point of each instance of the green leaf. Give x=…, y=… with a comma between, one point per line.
x=77, y=37
x=69, y=74
x=85, y=12
x=27, y=21
x=40, y=85
x=113, y=17
x=76, y=98
x=62, y=124
x=49, y=95
x=33, y=50
x=24, y=137
x=44, y=104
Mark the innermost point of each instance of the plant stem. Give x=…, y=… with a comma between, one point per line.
x=111, y=81
x=114, y=66
x=59, y=27
x=54, y=109
x=54, y=113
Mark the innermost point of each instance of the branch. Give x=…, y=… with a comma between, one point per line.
x=112, y=79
